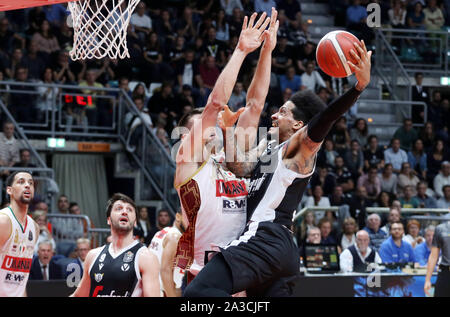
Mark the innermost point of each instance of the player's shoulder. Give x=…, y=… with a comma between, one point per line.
x=93, y=253
x=5, y=220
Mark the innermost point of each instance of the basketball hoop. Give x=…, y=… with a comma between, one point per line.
x=100, y=28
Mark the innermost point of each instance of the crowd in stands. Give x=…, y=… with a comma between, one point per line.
x=183, y=47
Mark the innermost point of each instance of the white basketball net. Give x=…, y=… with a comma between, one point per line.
x=100, y=28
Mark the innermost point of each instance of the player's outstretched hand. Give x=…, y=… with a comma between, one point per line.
x=362, y=66
x=252, y=33
x=270, y=35
x=228, y=118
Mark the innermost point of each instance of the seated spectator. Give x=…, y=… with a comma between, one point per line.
x=24, y=109
x=434, y=114
x=318, y=200
x=371, y=182
x=358, y=205
x=393, y=216
x=9, y=38
x=416, y=18
x=327, y=155
x=325, y=227
x=340, y=135
x=222, y=27
x=163, y=105
x=394, y=249
x=290, y=80
x=311, y=78
x=356, y=21
x=423, y=250
x=377, y=236
x=308, y=222
x=408, y=200
x=338, y=198
x=55, y=14
x=92, y=111
x=324, y=179
x=313, y=236
x=428, y=137
x=154, y=68
x=354, y=159
x=291, y=8
x=425, y=201
x=343, y=175
x=282, y=56
x=397, y=15
x=83, y=248
x=264, y=6
x=143, y=227
x=435, y=158
x=141, y=22
x=34, y=61
x=45, y=104
x=324, y=94
x=359, y=132
x=406, y=134
x=40, y=217
x=206, y=77
x=358, y=256
x=384, y=200
x=238, y=97
x=417, y=158
x=229, y=5
x=213, y=47
x=395, y=156
x=46, y=40
x=407, y=177
x=348, y=237
x=63, y=70
x=434, y=19
x=388, y=180
x=133, y=120
x=413, y=233
x=9, y=147
x=42, y=267
x=298, y=33
x=163, y=220
x=442, y=179
x=304, y=54
x=444, y=202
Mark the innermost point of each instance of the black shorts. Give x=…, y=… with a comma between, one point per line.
x=268, y=256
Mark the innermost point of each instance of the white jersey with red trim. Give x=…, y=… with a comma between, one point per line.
x=16, y=256
x=156, y=247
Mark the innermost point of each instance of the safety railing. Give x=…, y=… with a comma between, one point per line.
x=390, y=69
x=98, y=236
x=418, y=50
x=409, y=210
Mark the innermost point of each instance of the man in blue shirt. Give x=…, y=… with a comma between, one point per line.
x=394, y=249
x=376, y=234
x=423, y=250
x=290, y=80
x=356, y=21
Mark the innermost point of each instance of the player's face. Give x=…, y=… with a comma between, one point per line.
x=22, y=189
x=285, y=122
x=123, y=217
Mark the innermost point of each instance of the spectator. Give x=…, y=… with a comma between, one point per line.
x=435, y=158
x=290, y=80
x=354, y=159
x=304, y=54
x=384, y=200
x=141, y=22
x=24, y=103
x=183, y=100
x=318, y=200
x=327, y=155
x=164, y=26
x=235, y=22
x=47, y=97
x=348, y=237
x=63, y=72
x=55, y=14
x=374, y=154
x=185, y=25
x=388, y=179
x=83, y=248
x=140, y=92
x=323, y=179
x=423, y=250
x=358, y=256
x=308, y=222
x=25, y=159
x=324, y=94
x=407, y=177
x=358, y=205
x=238, y=97
x=311, y=78
x=222, y=27
x=207, y=76
x=444, y=202
x=417, y=158
x=42, y=205
x=428, y=136
x=42, y=267
x=395, y=155
x=230, y=5
x=341, y=137
x=282, y=56
x=298, y=33
x=91, y=110
x=408, y=200
x=46, y=40
x=441, y=179
x=154, y=69
x=359, y=132
x=434, y=111
x=343, y=175
x=434, y=19
x=397, y=15
x=264, y=6
x=413, y=233
x=313, y=236
x=338, y=198
x=163, y=219
x=371, y=182
x=143, y=228
x=425, y=201
x=416, y=18
x=213, y=47
x=186, y=70
x=394, y=249
x=393, y=216
x=377, y=236
x=40, y=216
x=356, y=21
x=33, y=61
x=291, y=8
x=407, y=135
x=325, y=226
x=9, y=147
x=419, y=92
x=8, y=38
x=124, y=83
x=132, y=121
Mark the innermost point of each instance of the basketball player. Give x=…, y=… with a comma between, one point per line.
x=164, y=246
x=18, y=235
x=124, y=267
x=265, y=253
x=213, y=200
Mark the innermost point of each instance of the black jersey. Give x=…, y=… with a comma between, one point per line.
x=116, y=275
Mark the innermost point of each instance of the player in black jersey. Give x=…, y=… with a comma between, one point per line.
x=124, y=267
x=265, y=254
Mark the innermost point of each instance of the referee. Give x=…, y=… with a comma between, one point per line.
x=441, y=242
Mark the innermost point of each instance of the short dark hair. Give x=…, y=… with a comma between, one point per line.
x=372, y=136
x=307, y=104
x=10, y=179
x=187, y=116
x=24, y=150
x=117, y=197
x=418, y=74
x=72, y=204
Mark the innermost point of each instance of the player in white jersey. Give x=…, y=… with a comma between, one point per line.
x=18, y=236
x=164, y=246
x=213, y=200
x=123, y=267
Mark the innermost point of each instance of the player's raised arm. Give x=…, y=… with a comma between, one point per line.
x=306, y=142
x=85, y=282
x=250, y=39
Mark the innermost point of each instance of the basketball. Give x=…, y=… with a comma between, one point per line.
x=333, y=52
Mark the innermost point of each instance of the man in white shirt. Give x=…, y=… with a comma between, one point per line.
x=395, y=155
x=142, y=23
x=359, y=256
x=442, y=179
x=311, y=78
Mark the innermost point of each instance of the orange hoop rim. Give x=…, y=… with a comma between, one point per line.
x=7, y=5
